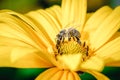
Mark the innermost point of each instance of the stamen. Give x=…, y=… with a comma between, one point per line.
x=72, y=45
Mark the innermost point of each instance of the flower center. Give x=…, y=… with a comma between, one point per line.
x=70, y=51
x=72, y=47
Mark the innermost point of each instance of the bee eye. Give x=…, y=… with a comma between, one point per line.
x=63, y=31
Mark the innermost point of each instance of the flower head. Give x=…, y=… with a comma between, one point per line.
x=64, y=39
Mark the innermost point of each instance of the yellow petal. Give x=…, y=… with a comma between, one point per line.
x=70, y=76
x=113, y=60
x=5, y=59
x=51, y=20
x=63, y=77
x=93, y=63
x=13, y=48
x=15, y=27
x=18, y=49
x=66, y=75
x=98, y=75
x=58, y=74
x=18, y=52
x=28, y=26
x=94, y=22
x=76, y=76
x=55, y=11
x=73, y=76
x=46, y=75
x=46, y=23
x=23, y=55
x=111, y=51
x=106, y=30
x=89, y=15
x=6, y=41
x=15, y=51
x=114, y=64
x=31, y=60
x=22, y=58
x=12, y=33
x=117, y=34
x=9, y=31
x=70, y=61
x=73, y=11
x=25, y=31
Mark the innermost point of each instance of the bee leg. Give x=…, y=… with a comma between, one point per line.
x=58, y=50
x=58, y=44
x=84, y=44
x=63, y=38
x=87, y=51
x=61, y=53
x=69, y=37
x=78, y=40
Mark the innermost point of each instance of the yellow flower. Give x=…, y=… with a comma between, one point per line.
x=64, y=39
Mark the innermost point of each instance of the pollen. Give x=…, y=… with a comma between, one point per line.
x=73, y=47
x=70, y=47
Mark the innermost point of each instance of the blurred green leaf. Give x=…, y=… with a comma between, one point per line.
x=18, y=5
x=112, y=72
x=20, y=73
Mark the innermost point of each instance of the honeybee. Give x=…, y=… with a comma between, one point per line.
x=70, y=33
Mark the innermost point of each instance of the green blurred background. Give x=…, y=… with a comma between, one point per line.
x=24, y=6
